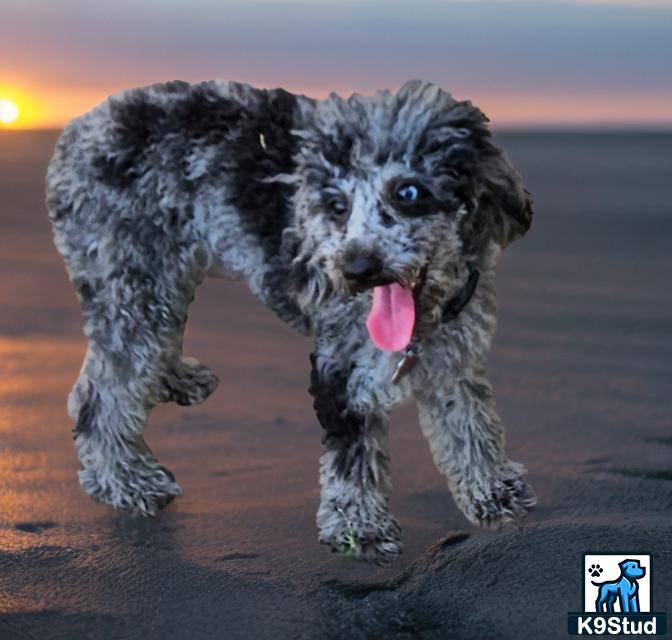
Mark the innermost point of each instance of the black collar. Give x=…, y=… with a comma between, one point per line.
x=462, y=297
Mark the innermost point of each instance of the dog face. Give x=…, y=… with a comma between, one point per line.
x=632, y=569
x=397, y=193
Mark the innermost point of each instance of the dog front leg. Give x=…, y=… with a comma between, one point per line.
x=627, y=601
x=467, y=442
x=353, y=516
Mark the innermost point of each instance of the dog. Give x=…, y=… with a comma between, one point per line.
x=625, y=589
x=371, y=223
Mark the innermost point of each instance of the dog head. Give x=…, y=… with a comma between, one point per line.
x=397, y=193
x=632, y=569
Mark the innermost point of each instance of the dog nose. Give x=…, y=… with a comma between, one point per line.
x=361, y=267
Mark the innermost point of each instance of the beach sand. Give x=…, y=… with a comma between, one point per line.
x=582, y=371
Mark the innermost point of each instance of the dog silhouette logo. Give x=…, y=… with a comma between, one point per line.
x=624, y=590
x=617, y=597
x=617, y=583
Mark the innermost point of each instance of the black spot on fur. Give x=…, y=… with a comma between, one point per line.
x=87, y=413
x=85, y=289
x=202, y=116
x=265, y=207
x=338, y=150
x=210, y=118
x=236, y=127
x=342, y=426
x=137, y=122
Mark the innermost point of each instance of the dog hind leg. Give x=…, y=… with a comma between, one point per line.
x=117, y=466
x=601, y=604
x=134, y=320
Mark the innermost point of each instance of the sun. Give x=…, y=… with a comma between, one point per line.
x=9, y=112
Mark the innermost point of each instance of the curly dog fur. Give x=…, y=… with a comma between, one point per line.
x=159, y=187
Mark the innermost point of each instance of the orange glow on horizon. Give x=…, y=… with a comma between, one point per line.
x=52, y=107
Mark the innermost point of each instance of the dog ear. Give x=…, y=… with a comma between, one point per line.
x=504, y=202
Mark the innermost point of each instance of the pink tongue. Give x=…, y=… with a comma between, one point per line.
x=392, y=316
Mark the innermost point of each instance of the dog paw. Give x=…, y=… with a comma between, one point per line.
x=373, y=538
x=595, y=570
x=141, y=488
x=191, y=382
x=505, y=500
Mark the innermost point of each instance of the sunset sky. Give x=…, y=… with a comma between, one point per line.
x=537, y=63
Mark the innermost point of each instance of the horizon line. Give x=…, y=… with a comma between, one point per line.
x=535, y=126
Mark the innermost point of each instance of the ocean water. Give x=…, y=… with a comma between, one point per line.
x=595, y=173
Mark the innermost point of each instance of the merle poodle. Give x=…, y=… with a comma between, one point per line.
x=372, y=223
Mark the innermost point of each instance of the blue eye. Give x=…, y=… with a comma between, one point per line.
x=408, y=193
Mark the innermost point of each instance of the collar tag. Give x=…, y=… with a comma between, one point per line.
x=407, y=362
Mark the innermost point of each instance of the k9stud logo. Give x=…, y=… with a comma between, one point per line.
x=617, y=597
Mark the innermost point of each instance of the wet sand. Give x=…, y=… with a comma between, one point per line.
x=582, y=371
